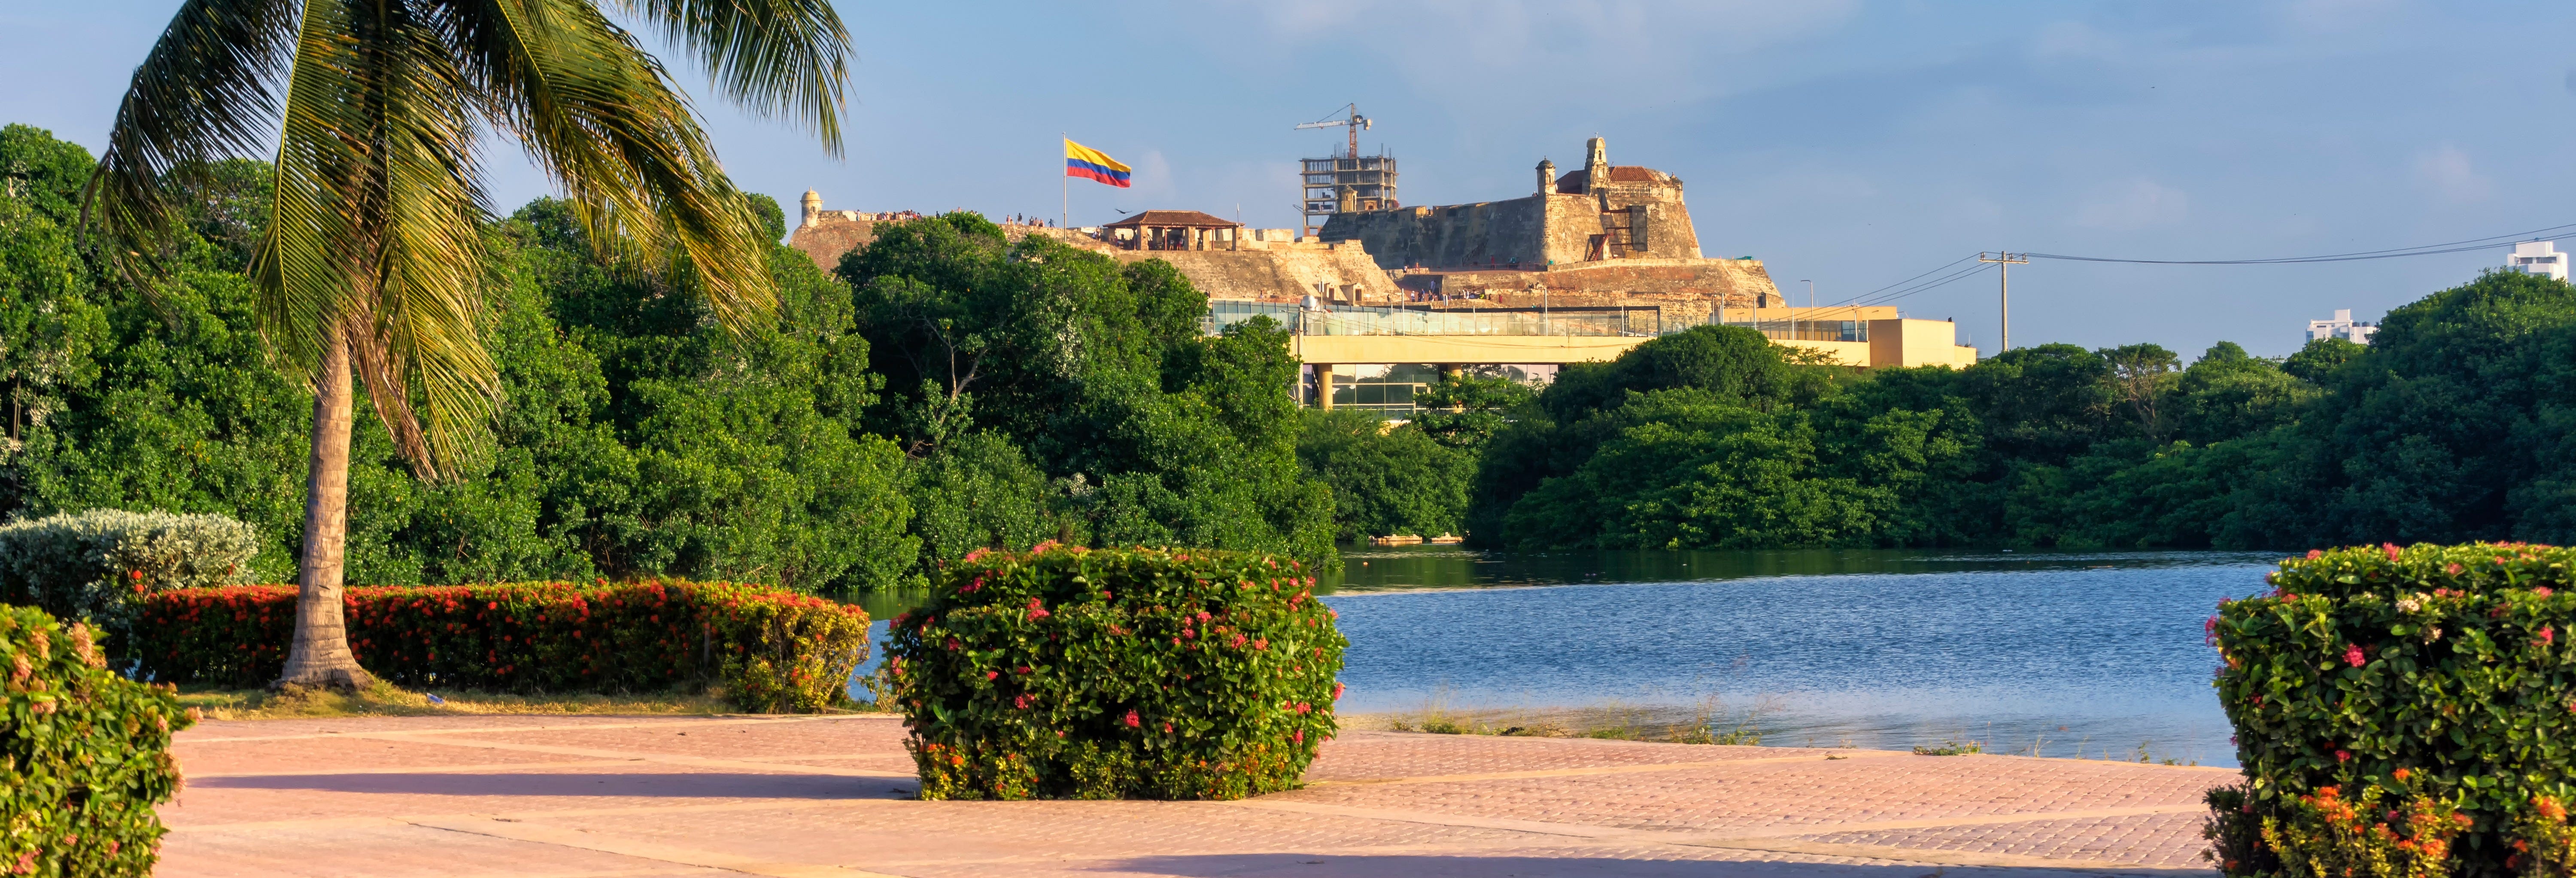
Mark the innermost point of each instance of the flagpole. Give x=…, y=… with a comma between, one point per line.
x=1066, y=182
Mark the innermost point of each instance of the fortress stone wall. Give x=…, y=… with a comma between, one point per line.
x=1602, y=234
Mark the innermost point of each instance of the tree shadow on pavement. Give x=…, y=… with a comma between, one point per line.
x=664, y=785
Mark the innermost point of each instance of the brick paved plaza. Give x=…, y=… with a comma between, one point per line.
x=805, y=796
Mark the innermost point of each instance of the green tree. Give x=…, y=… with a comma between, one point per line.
x=371, y=264
x=1098, y=373
x=1385, y=479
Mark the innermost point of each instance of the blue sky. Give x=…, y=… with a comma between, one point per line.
x=1853, y=143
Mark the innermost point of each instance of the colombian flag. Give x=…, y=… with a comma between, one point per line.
x=1085, y=162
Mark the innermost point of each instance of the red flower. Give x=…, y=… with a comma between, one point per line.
x=991, y=674
x=1337, y=691
x=1037, y=610
x=2343, y=756
x=1261, y=643
x=2453, y=568
x=2543, y=591
x=2391, y=549
x=2352, y=655
x=2314, y=554
x=1132, y=720
x=1297, y=736
x=1021, y=702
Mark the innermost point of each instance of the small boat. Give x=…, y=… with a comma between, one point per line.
x=1396, y=540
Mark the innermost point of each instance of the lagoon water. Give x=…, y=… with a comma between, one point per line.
x=2060, y=654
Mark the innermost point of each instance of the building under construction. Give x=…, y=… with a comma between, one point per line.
x=1348, y=182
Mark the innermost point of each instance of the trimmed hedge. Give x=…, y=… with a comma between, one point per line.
x=94, y=565
x=1121, y=673
x=772, y=651
x=2440, y=673
x=84, y=754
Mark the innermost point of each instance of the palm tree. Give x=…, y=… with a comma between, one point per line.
x=373, y=263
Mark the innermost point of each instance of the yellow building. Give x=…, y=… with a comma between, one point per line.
x=1376, y=358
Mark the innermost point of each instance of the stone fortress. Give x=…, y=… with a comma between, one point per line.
x=1382, y=299
x=1599, y=235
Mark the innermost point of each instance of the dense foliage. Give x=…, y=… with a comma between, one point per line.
x=771, y=651
x=2452, y=425
x=96, y=566
x=84, y=754
x=2431, y=676
x=1093, y=373
x=636, y=438
x=947, y=389
x=1131, y=673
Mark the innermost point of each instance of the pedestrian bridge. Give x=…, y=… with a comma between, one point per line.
x=1347, y=349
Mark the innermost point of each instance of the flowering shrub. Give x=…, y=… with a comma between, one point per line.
x=97, y=565
x=2326, y=835
x=772, y=651
x=2439, y=670
x=1125, y=673
x=84, y=754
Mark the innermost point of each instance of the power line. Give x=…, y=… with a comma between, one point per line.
x=2421, y=250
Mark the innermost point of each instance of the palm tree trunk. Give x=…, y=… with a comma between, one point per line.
x=321, y=655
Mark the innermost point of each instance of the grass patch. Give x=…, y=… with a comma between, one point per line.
x=1711, y=721
x=386, y=699
x=1950, y=748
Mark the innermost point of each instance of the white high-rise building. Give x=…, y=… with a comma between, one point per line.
x=2538, y=257
x=2343, y=327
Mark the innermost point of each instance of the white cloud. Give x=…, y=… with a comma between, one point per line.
x=2133, y=205
x=2448, y=172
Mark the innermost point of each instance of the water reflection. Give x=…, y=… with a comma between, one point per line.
x=2050, y=653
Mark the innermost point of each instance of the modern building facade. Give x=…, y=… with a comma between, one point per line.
x=2343, y=327
x=2538, y=257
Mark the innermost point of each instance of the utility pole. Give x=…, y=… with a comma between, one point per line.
x=2003, y=290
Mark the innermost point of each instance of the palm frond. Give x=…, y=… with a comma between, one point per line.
x=203, y=93
x=315, y=249
x=604, y=120
x=421, y=347
x=782, y=58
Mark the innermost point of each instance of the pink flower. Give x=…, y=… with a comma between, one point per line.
x=1021, y=702
x=2314, y=554
x=1303, y=707
x=1297, y=736
x=2352, y=655
x=2548, y=635
x=978, y=553
x=1037, y=610
x=991, y=674
x=2543, y=591
x=1167, y=727
x=2391, y=549
x=972, y=586
x=1022, y=669
x=2343, y=756
x=1132, y=720
x=1337, y=695
x=1261, y=643
x=1237, y=642
x=2452, y=568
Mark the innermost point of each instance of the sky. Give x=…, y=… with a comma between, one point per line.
x=1845, y=142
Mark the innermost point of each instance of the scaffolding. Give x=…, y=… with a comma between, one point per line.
x=1348, y=181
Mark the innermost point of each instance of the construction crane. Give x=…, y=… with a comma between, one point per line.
x=1348, y=182
x=1354, y=121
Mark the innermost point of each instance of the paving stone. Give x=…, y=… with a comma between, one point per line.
x=653, y=796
